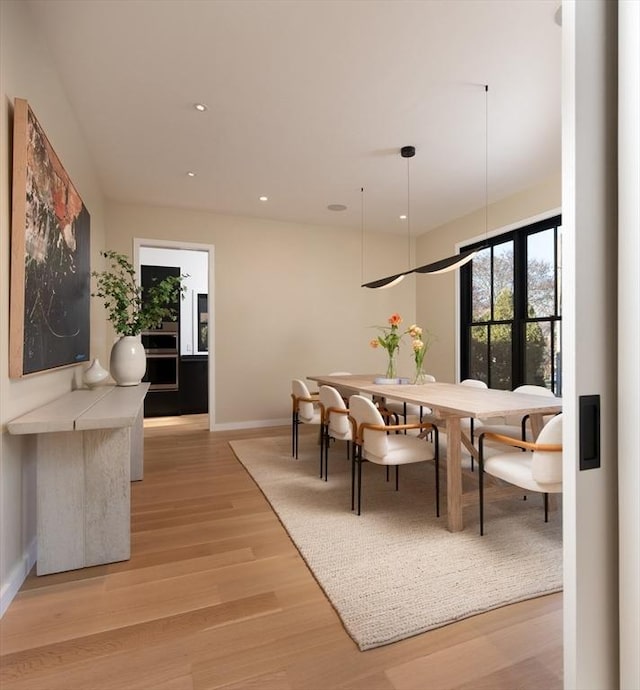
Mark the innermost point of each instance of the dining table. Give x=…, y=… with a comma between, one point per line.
x=448, y=404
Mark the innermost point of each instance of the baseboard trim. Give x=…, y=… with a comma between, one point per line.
x=17, y=576
x=232, y=426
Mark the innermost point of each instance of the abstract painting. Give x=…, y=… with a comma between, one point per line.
x=50, y=257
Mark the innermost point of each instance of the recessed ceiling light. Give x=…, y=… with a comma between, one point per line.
x=403, y=217
x=264, y=198
x=191, y=174
x=337, y=207
x=200, y=107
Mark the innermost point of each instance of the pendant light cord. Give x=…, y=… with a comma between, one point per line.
x=408, y=214
x=362, y=233
x=486, y=163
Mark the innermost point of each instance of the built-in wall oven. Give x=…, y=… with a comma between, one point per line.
x=161, y=348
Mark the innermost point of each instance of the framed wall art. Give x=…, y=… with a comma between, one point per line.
x=50, y=256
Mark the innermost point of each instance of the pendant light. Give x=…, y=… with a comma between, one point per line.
x=391, y=281
x=451, y=263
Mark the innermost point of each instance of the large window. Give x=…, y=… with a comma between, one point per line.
x=511, y=309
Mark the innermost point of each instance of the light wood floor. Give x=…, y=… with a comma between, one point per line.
x=216, y=596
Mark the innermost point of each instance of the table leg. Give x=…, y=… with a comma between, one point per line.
x=537, y=422
x=454, y=476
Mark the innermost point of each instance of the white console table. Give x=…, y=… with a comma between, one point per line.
x=89, y=449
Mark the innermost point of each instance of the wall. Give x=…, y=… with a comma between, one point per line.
x=287, y=302
x=26, y=71
x=437, y=295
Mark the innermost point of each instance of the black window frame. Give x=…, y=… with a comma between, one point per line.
x=519, y=237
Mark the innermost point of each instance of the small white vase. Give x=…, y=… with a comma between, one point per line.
x=95, y=374
x=128, y=361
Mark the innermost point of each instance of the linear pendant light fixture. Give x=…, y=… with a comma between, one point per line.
x=451, y=263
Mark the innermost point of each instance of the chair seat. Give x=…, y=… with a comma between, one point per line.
x=399, y=408
x=510, y=430
x=515, y=468
x=345, y=436
x=316, y=419
x=402, y=451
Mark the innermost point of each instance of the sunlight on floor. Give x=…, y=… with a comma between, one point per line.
x=195, y=421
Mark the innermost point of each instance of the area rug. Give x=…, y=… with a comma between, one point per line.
x=395, y=571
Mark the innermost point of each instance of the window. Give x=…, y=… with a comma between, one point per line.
x=511, y=309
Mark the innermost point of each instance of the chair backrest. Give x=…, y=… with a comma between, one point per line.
x=363, y=411
x=474, y=383
x=330, y=398
x=305, y=409
x=528, y=389
x=546, y=466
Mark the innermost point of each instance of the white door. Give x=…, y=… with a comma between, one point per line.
x=601, y=615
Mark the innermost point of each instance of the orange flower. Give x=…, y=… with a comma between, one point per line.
x=374, y=343
x=395, y=320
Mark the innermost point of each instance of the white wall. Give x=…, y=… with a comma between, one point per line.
x=26, y=71
x=193, y=265
x=287, y=301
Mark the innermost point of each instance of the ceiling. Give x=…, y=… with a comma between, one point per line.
x=308, y=101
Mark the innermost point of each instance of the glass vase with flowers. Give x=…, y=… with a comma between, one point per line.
x=390, y=341
x=420, y=344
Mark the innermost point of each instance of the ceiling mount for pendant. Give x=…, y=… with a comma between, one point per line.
x=408, y=151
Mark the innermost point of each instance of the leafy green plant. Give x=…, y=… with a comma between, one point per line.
x=130, y=309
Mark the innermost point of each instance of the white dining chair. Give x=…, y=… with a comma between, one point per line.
x=538, y=469
x=336, y=425
x=379, y=443
x=515, y=425
x=407, y=412
x=305, y=409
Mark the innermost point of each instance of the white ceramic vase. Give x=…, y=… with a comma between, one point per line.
x=128, y=361
x=95, y=374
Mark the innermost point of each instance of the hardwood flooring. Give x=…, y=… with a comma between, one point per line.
x=215, y=595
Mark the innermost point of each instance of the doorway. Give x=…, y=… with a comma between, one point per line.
x=193, y=387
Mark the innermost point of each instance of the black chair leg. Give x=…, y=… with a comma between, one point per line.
x=471, y=428
x=397, y=470
x=387, y=470
x=354, y=456
x=546, y=507
x=323, y=439
x=326, y=455
x=437, y=459
x=359, y=480
x=480, y=484
x=294, y=435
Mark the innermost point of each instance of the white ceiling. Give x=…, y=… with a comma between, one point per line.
x=310, y=100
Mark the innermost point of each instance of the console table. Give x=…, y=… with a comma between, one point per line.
x=89, y=449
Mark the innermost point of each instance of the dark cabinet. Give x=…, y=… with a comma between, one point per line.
x=194, y=384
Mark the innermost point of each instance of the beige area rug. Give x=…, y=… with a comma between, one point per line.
x=395, y=571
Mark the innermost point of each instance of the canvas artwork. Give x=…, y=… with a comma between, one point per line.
x=50, y=257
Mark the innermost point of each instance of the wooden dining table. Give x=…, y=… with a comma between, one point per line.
x=451, y=402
